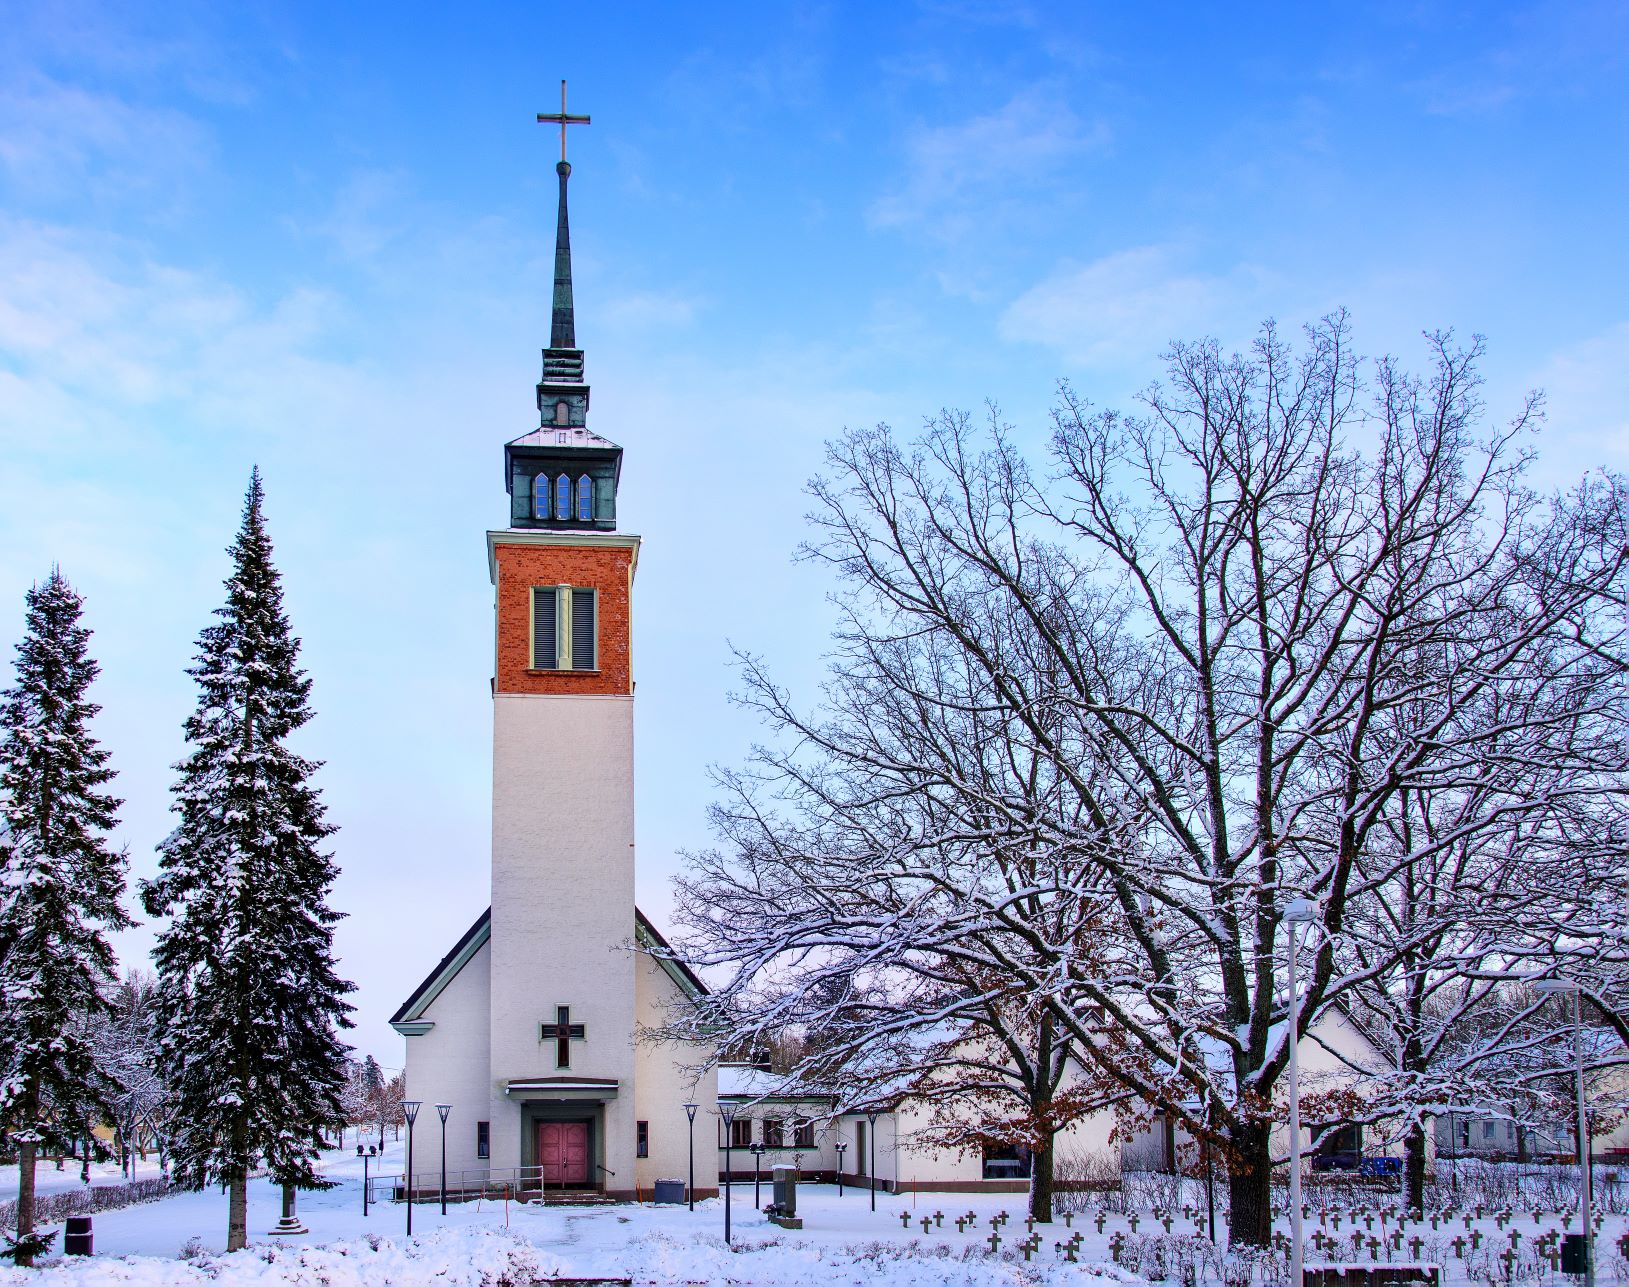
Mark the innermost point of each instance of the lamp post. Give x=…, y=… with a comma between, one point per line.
x=727, y=1112
x=690, y=1189
x=1301, y=911
x=841, y=1148
x=410, y=1110
x=1586, y=1198
x=757, y=1151
x=366, y=1158
x=871, y=1143
x=442, y=1110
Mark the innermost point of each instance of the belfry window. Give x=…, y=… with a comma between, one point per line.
x=540, y=496
x=562, y=412
x=565, y=627
x=562, y=497
x=585, y=499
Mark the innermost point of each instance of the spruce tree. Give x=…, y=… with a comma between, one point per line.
x=60, y=885
x=249, y=1003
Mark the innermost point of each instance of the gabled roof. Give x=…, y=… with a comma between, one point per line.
x=409, y=1018
x=446, y=971
x=650, y=938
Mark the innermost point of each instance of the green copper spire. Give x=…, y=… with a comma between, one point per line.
x=563, y=334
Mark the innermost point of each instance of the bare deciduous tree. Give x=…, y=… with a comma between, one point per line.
x=1219, y=656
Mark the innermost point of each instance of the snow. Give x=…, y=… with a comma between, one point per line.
x=488, y=1243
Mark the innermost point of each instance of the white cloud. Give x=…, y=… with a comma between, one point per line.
x=955, y=175
x=1586, y=391
x=1128, y=306
x=59, y=140
x=647, y=310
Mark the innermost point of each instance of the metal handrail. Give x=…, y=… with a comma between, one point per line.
x=464, y=1183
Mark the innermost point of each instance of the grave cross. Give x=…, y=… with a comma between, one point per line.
x=562, y=1032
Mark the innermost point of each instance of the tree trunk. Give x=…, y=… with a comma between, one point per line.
x=237, y=1212
x=1414, y=1168
x=1041, y=1181
x=25, y=1196
x=1249, y=1185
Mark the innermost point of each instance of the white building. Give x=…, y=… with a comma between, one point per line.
x=527, y=1026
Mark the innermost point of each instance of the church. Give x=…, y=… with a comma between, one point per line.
x=527, y=1026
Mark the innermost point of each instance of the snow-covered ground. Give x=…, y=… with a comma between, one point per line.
x=483, y=1244
x=47, y=1179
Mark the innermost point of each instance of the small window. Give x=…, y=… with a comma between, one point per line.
x=774, y=1133
x=641, y=1139
x=741, y=1133
x=585, y=499
x=540, y=496
x=803, y=1135
x=562, y=497
x=562, y=412
x=483, y=1139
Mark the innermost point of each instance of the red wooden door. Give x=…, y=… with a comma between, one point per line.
x=562, y=1152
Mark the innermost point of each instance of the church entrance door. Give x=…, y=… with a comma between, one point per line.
x=562, y=1152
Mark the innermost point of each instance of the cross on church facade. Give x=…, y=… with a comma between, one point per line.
x=562, y=1032
x=562, y=119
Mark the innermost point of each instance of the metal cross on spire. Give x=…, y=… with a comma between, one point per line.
x=562, y=119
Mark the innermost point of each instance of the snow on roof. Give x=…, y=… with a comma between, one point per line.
x=750, y=1081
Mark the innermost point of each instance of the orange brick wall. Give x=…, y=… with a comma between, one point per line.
x=520, y=567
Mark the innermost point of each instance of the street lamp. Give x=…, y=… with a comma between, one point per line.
x=410, y=1110
x=841, y=1148
x=757, y=1151
x=1301, y=911
x=442, y=1110
x=871, y=1143
x=1586, y=1198
x=366, y=1158
x=690, y=1112
x=727, y=1112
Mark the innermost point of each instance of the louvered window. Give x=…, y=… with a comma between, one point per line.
x=545, y=627
x=583, y=632
x=565, y=627
x=585, y=499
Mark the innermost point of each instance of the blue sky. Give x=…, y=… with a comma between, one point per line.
x=319, y=237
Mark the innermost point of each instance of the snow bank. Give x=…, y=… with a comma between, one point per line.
x=448, y=1258
x=495, y=1258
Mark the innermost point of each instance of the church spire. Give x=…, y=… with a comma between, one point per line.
x=563, y=334
x=562, y=397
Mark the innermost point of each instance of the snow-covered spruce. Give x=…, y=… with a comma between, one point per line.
x=249, y=1002
x=60, y=885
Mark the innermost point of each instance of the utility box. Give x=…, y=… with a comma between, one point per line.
x=77, y=1238
x=784, y=1209
x=1574, y=1254
x=668, y=1192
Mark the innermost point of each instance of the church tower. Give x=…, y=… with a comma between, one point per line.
x=562, y=785
x=526, y=1031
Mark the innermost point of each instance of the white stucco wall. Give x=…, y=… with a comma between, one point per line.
x=563, y=904
x=448, y=1065
x=665, y=1079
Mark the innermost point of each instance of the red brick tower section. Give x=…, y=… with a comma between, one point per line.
x=520, y=560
